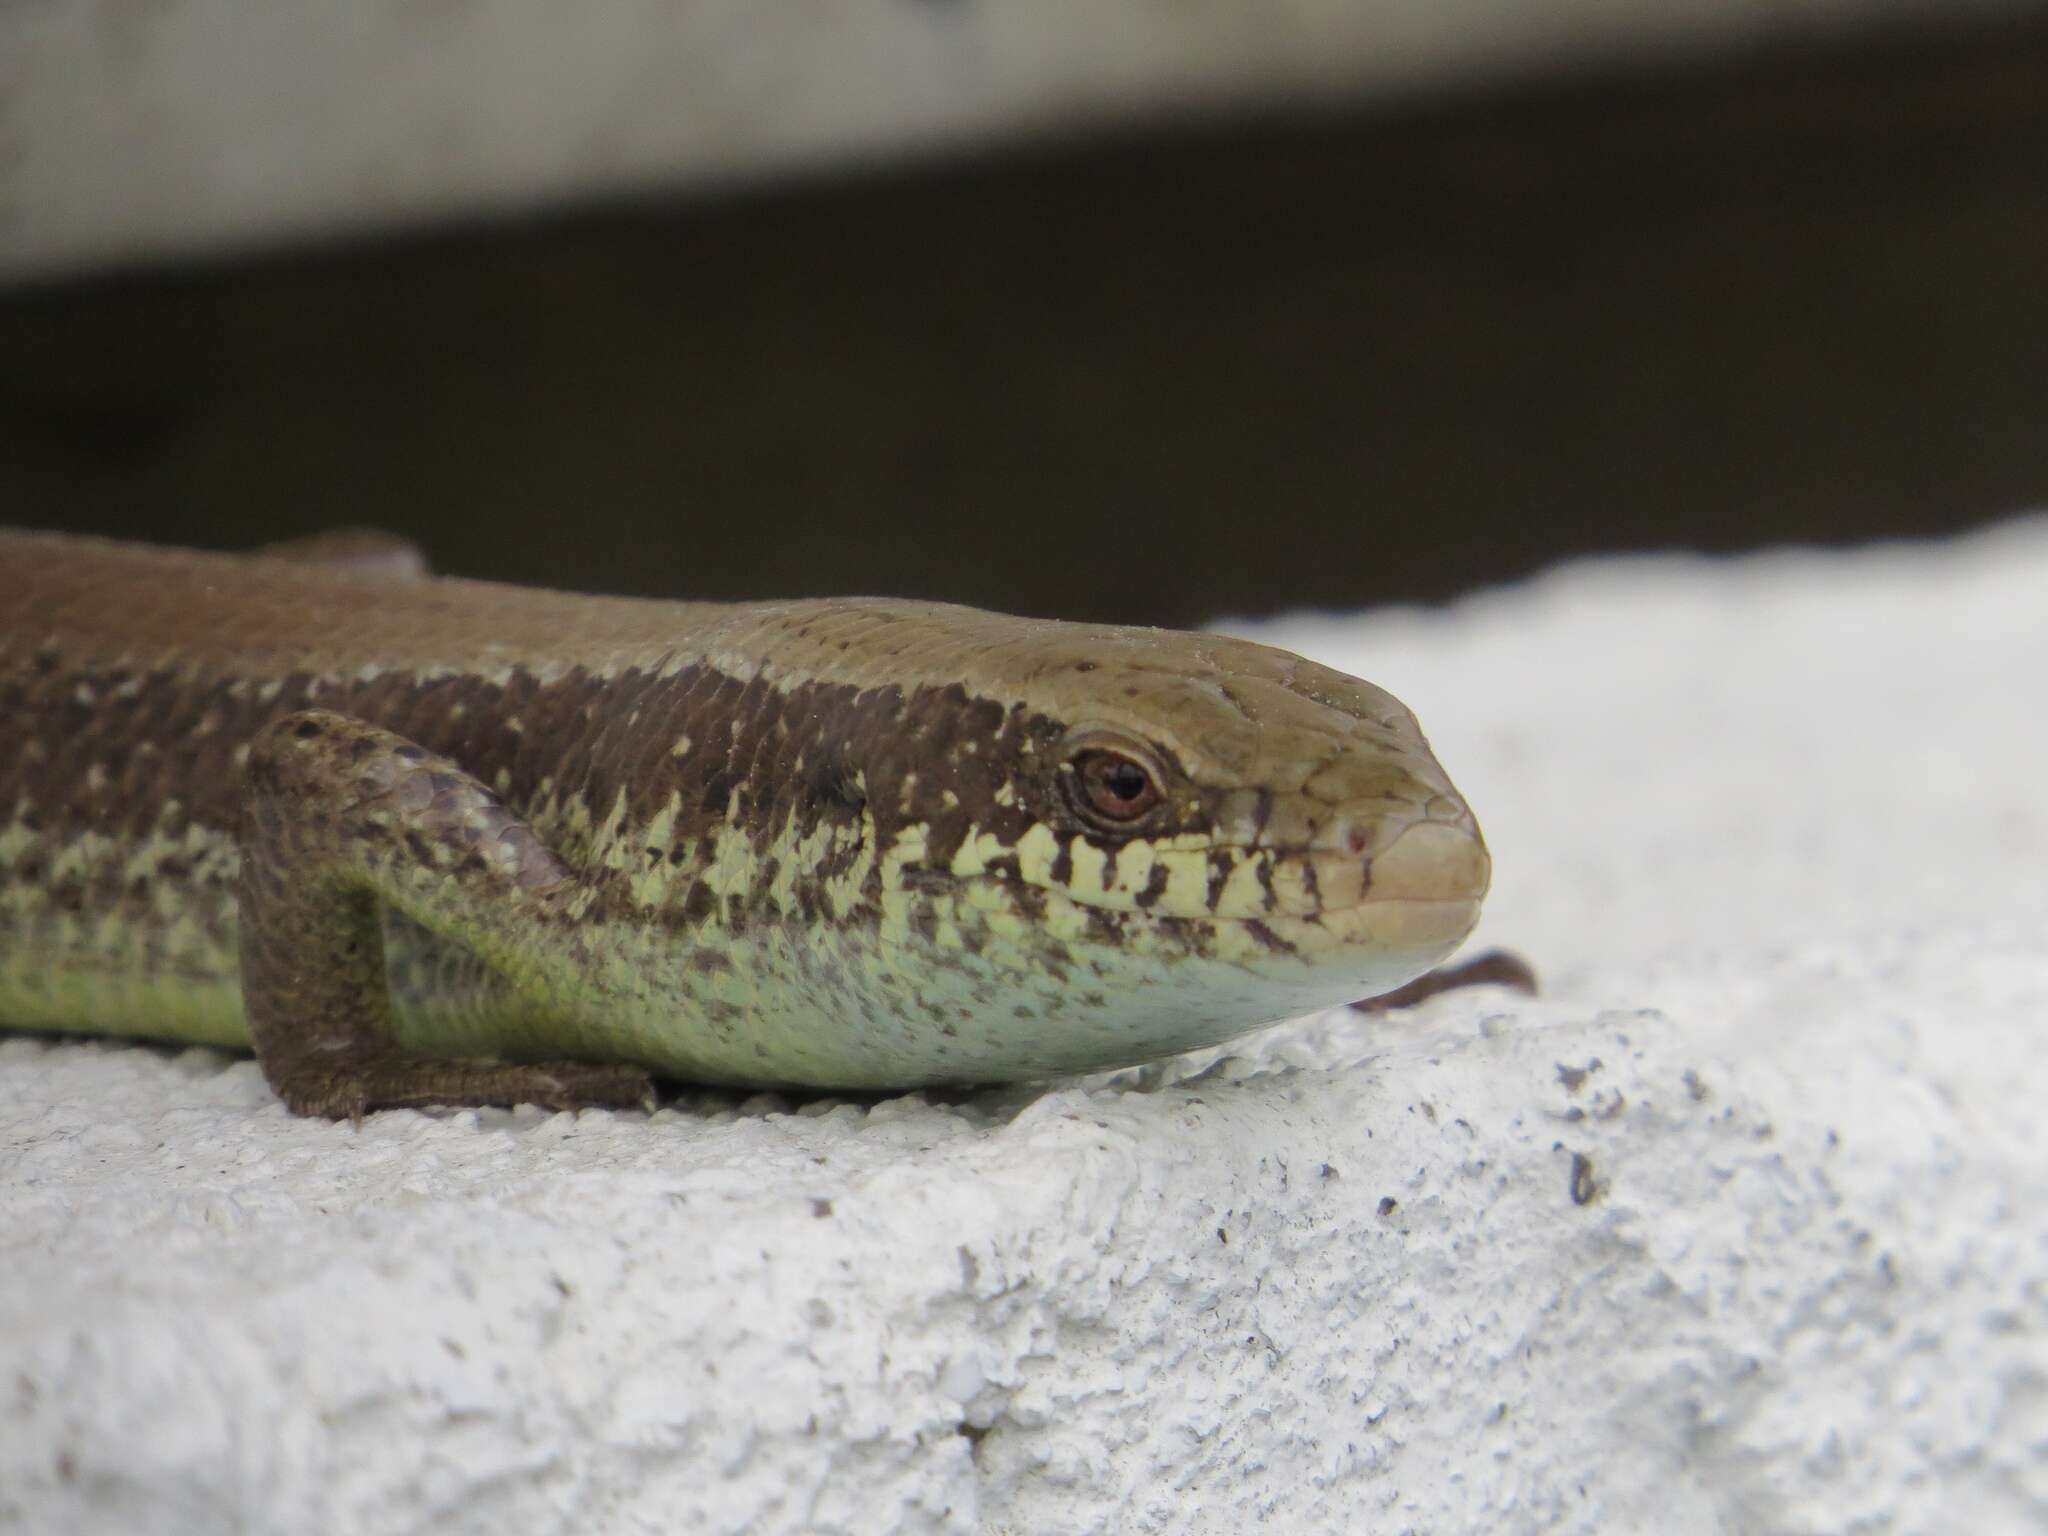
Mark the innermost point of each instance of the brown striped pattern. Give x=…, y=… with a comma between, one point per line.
x=858, y=804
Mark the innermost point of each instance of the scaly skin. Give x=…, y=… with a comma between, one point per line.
x=831, y=844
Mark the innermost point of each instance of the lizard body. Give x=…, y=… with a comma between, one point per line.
x=424, y=840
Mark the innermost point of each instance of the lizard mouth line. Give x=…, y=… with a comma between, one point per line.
x=1429, y=862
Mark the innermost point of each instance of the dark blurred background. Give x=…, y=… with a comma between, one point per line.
x=1252, y=362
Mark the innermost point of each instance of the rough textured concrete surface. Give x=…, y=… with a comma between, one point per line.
x=133, y=131
x=1741, y=1227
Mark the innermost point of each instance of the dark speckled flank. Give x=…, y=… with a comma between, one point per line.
x=127, y=755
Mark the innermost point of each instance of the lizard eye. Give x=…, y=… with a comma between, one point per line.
x=1115, y=787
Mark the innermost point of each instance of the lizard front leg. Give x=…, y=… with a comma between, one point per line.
x=340, y=818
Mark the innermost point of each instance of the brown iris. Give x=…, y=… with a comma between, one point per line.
x=1115, y=787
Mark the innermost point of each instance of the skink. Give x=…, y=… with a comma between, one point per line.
x=419, y=840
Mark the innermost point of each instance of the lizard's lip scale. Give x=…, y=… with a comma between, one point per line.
x=1397, y=939
x=1429, y=862
x=424, y=840
x=1387, y=919
x=1420, y=899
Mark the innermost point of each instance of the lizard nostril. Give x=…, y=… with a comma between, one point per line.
x=1356, y=839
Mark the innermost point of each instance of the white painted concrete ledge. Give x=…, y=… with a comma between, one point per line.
x=1741, y=1228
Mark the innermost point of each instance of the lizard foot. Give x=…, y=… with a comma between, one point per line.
x=350, y=1090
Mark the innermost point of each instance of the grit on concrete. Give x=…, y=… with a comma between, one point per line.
x=1741, y=1227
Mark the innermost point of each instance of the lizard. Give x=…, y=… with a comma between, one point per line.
x=418, y=840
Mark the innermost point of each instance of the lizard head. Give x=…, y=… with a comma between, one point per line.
x=1096, y=844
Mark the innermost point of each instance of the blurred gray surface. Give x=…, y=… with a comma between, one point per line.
x=130, y=130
